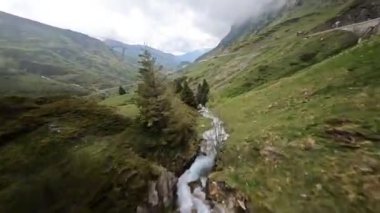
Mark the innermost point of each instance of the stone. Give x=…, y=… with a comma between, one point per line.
x=165, y=187
x=160, y=193
x=271, y=153
x=309, y=144
x=141, y=209
x=153, y=194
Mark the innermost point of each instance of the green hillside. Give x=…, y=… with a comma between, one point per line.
x=303, y=111
x=301, y=106
x=169, y=61
x=62, y=154
x=36, y=59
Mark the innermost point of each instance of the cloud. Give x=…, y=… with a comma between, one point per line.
x=174, y=26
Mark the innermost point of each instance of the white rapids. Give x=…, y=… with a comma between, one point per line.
x=200, y=169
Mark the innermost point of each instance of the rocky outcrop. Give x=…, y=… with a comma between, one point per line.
x=226, y=199
x=359, y=11
x=160, y=195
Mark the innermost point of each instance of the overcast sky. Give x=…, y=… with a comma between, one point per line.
x=174, y=26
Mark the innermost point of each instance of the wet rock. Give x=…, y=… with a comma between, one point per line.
x=153, y=198
x=160, y=194
x=226, y=199
x=195, y=184
x=165, y=188
x=198, y=193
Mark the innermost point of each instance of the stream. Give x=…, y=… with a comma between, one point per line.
x=194, y=198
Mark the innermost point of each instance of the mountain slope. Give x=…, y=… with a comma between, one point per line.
x=193, y=55
x=58, y=60
x=169, y=61
x=302, y=111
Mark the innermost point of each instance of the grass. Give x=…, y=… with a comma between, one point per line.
x=64, y=154
x=25, y=85
x=69, y=155
x=303, y=114
x=311, y=170
x=67, y=57
x=275, y=51
x=124, y=105
x=291, y=58
x=172, y=156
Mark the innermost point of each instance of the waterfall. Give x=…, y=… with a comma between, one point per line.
x=188, y=199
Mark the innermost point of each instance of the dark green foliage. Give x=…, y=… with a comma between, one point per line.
x=187, y=95
x=178, y=84
x=161, y=111
x=69, y=158
x=122, y=91
x=203, y=93
x=153, y=104
x=181, y=126
x=306, y=57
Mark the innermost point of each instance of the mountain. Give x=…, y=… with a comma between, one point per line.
x=299, y=97
x=58, y=61
x=131, y=53
x=193, y=55
x=169, y=61
x=297, y=91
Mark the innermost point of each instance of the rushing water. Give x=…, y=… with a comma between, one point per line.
x=201, y=168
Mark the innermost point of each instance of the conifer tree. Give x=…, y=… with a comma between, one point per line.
x=182, y=124
x=199, y=94
x=178, y=84
x=187, y=95
x=122, y=91
x=161, y=111
x=203, y=91
x=153, y=104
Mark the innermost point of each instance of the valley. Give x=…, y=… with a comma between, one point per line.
x=291, y=121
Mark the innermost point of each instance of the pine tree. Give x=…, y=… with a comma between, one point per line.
x=182, y=124
x=122, y=91
x=153, y=104
x=187, y=95
x=199, y=94
x=203, y=91
x=161, y=111
x=178, y=84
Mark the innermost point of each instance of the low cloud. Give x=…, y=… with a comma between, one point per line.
x=170, y=25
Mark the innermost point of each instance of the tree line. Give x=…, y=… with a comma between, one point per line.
x=187, y=94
